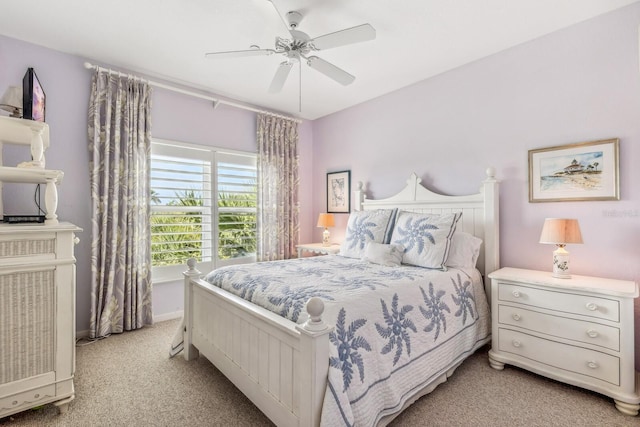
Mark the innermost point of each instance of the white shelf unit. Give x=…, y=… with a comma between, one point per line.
x=36, y=136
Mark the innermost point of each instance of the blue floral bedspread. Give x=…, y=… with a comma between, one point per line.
x=396, y=328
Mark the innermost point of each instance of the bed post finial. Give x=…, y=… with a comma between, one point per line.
x=315, y=308
x=491, y=173
x=191, y=263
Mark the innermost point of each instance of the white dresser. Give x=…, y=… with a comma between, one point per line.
x=37, y=315
x=578, y=330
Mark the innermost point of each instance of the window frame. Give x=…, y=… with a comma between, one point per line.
x=213, y=154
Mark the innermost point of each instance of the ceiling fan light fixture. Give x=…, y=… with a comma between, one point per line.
x=294, y=18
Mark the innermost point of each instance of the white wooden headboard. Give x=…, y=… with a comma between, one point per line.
x=480, y=213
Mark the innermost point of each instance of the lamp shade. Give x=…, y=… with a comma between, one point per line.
x=326, y=220
x=560, y=231
x=12, y=101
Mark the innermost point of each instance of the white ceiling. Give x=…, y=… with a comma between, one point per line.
x=167, y=39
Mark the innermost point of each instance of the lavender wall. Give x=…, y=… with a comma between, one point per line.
x=575, y=85
x=579, y=84
x=66, y=84
x=174, y=117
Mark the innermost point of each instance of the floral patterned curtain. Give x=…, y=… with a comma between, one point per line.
x=120, y=145
x=278, y=205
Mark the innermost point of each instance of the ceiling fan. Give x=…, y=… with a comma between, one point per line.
x=300, y=45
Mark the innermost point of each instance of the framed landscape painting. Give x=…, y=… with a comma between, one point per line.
x=339, y=192
x=575, y=172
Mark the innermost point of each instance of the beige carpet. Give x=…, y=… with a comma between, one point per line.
x=129, y=380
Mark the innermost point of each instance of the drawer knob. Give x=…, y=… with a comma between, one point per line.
x=516, y=294
x=516, y=316
x=592, y=333
x=516, y=343
x=592, y=306
x=37, y=395
x=593, y=365
x=14, y=403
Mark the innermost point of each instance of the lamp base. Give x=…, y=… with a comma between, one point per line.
x=561, y=263
x=325, y=237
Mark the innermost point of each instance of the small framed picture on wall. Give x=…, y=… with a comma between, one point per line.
x=339, y=192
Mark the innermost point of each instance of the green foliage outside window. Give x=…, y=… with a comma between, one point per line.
x=177, y=236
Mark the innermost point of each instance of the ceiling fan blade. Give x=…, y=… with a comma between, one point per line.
x=240, y=53
x=330, y=70
x=361, y=33
x=281, y=76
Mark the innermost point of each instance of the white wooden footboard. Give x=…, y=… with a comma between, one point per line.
x=282, y=367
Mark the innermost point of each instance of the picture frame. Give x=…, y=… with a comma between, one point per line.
x=339, y=192
x=575, y=172
x=33, y=97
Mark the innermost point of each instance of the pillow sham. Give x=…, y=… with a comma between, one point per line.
x=364, y=227
x=464, y=252
x=383, y=254
x=425, y=237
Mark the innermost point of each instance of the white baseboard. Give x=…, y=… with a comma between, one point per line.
x=168, y=316
x=82, y=334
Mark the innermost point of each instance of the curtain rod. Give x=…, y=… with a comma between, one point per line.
x=215, y=101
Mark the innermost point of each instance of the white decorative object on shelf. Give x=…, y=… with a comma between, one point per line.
x=578, y=331
x=36, y=135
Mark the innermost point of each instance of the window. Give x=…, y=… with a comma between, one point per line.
x=203, y=205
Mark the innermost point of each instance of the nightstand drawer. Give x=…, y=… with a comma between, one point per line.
x=563, y=327
x=600, y=308
x=574, y=360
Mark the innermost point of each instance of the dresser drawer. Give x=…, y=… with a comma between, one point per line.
x=586, y=305
x=563, y=327
x=27, y=246
x=574, y=360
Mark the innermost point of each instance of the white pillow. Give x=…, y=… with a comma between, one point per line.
x=364, y=227
x=425, y=237
x=464, y=251
x=383, y=254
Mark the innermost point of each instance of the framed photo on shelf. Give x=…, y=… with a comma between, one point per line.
x=339, y=192
x=575, y=172
x=33, y=97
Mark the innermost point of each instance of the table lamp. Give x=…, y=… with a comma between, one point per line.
x=326, y=220
x=560, y=231
x=11, y=101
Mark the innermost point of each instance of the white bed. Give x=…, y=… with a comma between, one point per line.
x=282, y=366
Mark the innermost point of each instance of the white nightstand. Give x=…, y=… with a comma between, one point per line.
x=577, y=330
x=317, y=248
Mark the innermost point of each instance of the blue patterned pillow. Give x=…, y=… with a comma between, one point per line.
x=425, y=237
x=364, y=227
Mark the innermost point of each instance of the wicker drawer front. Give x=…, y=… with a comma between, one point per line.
x=13, y=248
x=562, y=327
x=596, y=307
x=574, y=360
